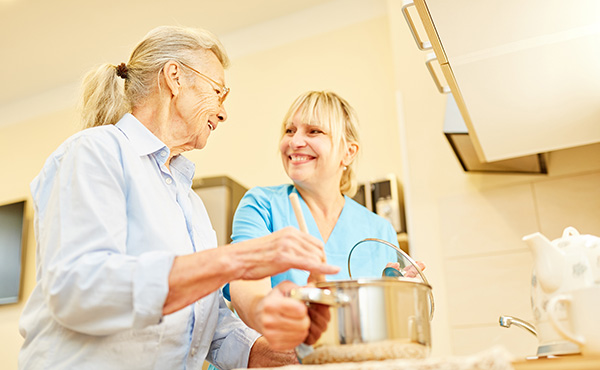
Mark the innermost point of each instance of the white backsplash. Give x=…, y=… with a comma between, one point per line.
x=488, y=267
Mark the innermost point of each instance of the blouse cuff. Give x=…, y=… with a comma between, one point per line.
x=150, y=287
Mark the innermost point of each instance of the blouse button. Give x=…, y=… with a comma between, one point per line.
x=168, y=180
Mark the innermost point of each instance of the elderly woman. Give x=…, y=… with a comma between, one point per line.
x=128, y=275
x=318, y=146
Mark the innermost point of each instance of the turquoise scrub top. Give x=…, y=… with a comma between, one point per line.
x=264, y=210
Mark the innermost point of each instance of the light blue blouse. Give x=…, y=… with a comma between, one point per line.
x=109, y=220
x=264, y=210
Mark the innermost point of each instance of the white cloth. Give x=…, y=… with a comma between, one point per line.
x=494, y=358
x=109, y=220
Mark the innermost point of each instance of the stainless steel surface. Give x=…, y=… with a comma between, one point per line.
x=381, y=309
x=394, y=312
x=378, y=318
x=558, y=349
x=507, y=321
x=455, y=130
x=321, y=296
x=302, y=350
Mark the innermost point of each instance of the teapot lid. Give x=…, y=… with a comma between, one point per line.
x=570, y=231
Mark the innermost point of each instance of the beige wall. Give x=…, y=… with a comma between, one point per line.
x=466, y=227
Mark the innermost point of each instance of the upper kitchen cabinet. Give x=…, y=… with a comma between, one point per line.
x=525, y=74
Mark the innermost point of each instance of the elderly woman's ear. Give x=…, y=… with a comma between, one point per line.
x=171, y=74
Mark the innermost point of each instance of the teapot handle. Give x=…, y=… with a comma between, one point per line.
x=552, y=303
x=570, y=231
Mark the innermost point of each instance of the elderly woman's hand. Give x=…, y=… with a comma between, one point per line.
x=287, y=322
x=248, y=260
x=280, y=251
x=284, y=321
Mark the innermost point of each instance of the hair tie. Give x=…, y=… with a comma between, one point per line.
x=122, y=71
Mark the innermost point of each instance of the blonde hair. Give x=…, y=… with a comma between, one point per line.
x=336, y=116
x=105, y=100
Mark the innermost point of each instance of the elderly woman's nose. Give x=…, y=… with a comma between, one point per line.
x=222, y=115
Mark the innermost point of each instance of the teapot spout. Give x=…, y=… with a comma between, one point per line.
x=548, y=261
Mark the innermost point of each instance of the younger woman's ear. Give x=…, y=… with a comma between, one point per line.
x=171, y=73
x=351, y=152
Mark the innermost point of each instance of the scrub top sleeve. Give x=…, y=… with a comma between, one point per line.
x=253, y=217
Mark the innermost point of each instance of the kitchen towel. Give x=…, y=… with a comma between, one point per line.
x=495, y=358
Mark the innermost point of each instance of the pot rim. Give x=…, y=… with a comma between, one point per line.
x=370, y=282
x=387, y=281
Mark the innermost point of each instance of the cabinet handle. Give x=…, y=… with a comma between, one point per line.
x=430, y=59
x=422, y=45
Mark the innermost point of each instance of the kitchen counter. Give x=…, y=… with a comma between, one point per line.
x=493, y=359
x=572, y=362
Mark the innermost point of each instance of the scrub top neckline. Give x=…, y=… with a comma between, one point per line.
x=312, y=224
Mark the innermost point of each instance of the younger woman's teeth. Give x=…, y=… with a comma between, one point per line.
x=210, y=126
x=296, y=158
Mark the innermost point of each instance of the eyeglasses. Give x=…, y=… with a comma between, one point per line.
x=221, y=90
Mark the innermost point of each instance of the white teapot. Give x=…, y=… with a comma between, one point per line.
x=565, y=264
x=560, y=266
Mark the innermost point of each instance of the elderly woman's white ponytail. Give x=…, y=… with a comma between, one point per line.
x=106, y=97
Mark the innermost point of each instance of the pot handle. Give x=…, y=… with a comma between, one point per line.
x=318, y=295
x=302, y=350
x=405, y=255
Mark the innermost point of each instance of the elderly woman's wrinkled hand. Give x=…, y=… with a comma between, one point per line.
x=282, y=250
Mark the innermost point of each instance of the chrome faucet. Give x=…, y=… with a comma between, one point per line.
x=507, y=321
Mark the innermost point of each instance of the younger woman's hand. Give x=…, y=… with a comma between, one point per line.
x=410, y=271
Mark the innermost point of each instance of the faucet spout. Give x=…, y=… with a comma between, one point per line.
x=507, y=321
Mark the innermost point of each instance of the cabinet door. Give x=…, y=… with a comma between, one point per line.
x=526, y=74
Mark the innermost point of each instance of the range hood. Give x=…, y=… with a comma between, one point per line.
x=457, y=134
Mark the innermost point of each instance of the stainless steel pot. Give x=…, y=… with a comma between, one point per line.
x=371, y=319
